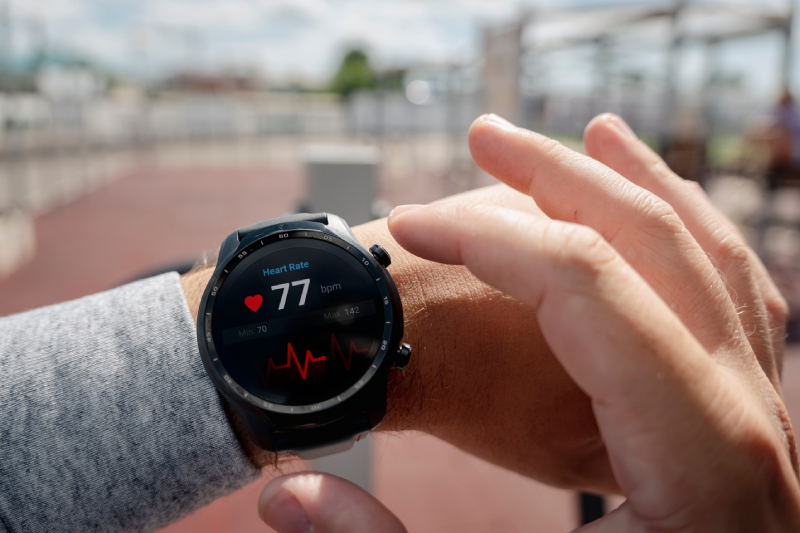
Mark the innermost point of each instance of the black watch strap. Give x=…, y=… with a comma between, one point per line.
x=301, y=217
x=318, y=441
x=307, y=442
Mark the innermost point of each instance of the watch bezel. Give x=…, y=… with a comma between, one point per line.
x=252, y=245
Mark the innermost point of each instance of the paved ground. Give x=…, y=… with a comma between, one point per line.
x=144, y=221
x=156, y=216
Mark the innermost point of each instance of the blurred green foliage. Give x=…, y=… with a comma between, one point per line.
x=354, y=73
x=393, y=80
x=726, y=151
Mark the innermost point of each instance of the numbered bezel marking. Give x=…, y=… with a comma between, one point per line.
x=367, y=261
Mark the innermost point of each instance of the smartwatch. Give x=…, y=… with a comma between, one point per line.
x=298, y=329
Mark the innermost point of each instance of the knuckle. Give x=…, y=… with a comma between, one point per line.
x=778, y=308
x=760, y=447
x=733, y=251
x=691, y=186
x=656, y=213
x=734, y=255
x=767, y=458
x=659, y=168
x=583, y=251
x=549, y=152
x=554, y=151
x=552, y=148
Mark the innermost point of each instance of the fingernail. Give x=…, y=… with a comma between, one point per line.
x=285, y=514
x=621, y=126
x=500, y=121
x=404, y=209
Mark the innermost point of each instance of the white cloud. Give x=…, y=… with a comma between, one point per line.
x=204, y=15
x=49, y=10
x=296, y=38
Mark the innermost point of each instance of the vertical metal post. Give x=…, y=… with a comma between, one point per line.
x=13, y=163
x=342, y=180
x=5, y=62
x=5, y=43
x=712, y=60
x=354, y=465
x=602, y=93
x=670, y=96
x=788, y=48
x=37, y=34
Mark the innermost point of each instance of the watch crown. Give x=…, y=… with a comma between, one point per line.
x=381, y=255
x=403, y=356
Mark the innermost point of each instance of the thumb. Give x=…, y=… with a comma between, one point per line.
x=322, y=503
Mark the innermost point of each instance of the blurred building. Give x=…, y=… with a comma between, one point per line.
x=66, y=122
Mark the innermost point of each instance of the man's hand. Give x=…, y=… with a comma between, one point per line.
x=655, y=307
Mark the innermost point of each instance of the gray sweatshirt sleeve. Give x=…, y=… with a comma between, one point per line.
x=108, y=421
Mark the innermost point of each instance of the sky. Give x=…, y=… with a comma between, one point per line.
x=297, y=40
x=283, y=38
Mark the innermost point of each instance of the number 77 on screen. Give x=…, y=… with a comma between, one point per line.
x=285, y=288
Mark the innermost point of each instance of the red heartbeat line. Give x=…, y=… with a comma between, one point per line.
x=292, y=356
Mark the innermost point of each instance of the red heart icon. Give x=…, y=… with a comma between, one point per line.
x=254, y=302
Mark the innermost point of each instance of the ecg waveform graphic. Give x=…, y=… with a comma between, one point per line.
x=291, y=357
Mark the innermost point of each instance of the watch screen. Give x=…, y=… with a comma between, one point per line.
x=298, y=321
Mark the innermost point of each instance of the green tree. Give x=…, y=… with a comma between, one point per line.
x=354, y=73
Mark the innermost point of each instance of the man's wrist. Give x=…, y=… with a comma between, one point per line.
x=194, y=283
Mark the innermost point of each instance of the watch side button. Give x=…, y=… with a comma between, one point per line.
x=403, y=356
x=379, y=253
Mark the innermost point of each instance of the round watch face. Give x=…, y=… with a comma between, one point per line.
x=298, y=318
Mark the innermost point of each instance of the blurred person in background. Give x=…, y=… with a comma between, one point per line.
x=782, y=139
x=594, y=323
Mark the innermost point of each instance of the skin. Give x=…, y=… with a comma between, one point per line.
x=654, y=307
x=452, y=320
